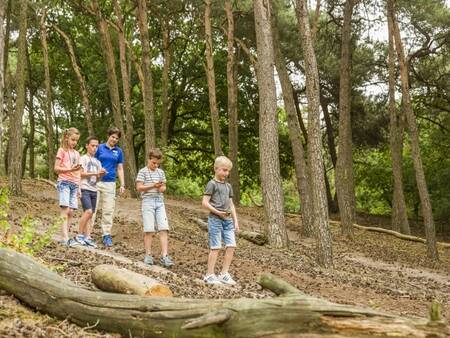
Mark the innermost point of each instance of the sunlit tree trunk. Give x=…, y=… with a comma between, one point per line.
x=167, y=55
x=425, y=201
x=130, y=163
x=315, y=159
x=48, y=100
x=344, y=166
x=294, y=135
x=275, y=228
x=80, y=78
x=210, y=76
x=15, y=127
x=399, y=220
x=2, y=68
x=233, y=134
x=147, y=91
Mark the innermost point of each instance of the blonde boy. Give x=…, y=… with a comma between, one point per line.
x=222, y=221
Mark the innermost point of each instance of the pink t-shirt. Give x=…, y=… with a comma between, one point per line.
x=69, y=158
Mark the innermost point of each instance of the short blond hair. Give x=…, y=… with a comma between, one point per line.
x=223, y=161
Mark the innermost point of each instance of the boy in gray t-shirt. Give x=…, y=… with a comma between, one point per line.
x=222, y=221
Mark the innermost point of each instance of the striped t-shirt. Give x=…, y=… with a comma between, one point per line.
x=148, y=176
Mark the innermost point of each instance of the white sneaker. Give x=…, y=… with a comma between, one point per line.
x=211, y=279
x=225, y=278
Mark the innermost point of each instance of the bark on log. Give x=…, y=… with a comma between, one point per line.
x=114, y=279
x=131, y=315
x=252, y=236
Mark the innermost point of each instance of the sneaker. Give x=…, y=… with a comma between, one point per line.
x=80, y=239
x=71, y=243
x=90, y=242
x=166, y=261
x=107, y=240
x=211, y=279
x=148, y=260
x=225, y=278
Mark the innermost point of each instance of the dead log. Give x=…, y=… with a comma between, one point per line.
x=252, y=236
x=131, y=315
x=393, y=233
x=114, y=279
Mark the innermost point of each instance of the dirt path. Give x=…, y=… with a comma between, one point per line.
x=374, y=270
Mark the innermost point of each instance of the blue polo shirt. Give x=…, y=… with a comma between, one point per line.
x=109, y=158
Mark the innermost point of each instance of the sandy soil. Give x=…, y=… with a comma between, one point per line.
x=374, y=270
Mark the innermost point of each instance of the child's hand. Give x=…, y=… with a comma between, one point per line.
x=236, y=227
x=76, y=167
x=101, y=172
x=222, y=214
x=158, y=185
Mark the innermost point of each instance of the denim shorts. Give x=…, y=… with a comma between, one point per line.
x=220, y=230
x=154, y=214
x=67, y=192
x=88, y=199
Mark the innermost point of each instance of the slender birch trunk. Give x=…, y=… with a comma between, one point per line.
x=424, y=196
x=344, y=167
x=275, y=228
x=315, y=159
x=399, y=218
x=147, y=90
x=210, y=76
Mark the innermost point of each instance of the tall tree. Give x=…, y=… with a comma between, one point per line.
x=315, y=159
x=211, y=77
x=15, y=128
x=167, y=55
x=399, y=218
x=2, y=64
x=233, y=133
x=294, y=134
x=48, y=109
x=268, y=128
x=147, y=91
x=344, y=166
x=425, y=201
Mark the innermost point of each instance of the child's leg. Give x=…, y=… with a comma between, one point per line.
x=148, y=238
x=215, y=242
x=163, y=226
x=212, y=259
x=164, y=239
x=230, y=243
x=229, y=252
x=83, y=227
x=65, y=224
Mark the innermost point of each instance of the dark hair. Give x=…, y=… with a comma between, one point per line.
x=155, y=153
x=91, y=138
x=114, y=130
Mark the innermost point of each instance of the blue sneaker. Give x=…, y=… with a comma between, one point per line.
x=107, y=240
x=90, y=242
x=80, y=239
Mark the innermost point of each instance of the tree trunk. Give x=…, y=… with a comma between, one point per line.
x=31, y=143
x=130, y=163
x=48, y=101
x=344, y=167
x=399, y=218
x=210, y=76
x=414, y=137
x=315, y=160
x=80, y=78
x=2, y=69
x=167, y=55
x=292, y=314
x=114, y=279
x=15, y=127
x=233, y=132
x=294, y=135
x=275, y=228
x=147, y=90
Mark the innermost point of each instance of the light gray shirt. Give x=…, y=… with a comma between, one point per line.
x=220, y=193
x=90, y=165
x=147, y=177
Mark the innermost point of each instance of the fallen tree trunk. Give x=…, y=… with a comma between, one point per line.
x=114, y=279
x=393, y=233
x=292, y=315
x=252, y=236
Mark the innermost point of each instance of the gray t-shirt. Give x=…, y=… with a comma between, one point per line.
x=90, y=165
x=220, y=193
x=147, y=177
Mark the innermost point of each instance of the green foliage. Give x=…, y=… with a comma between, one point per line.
x=26, y=240
x=184, y=186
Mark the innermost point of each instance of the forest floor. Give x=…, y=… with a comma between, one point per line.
x=374, y=270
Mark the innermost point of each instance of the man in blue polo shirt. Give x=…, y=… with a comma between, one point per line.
x=111, y=158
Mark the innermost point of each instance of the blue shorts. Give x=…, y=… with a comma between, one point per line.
x=220, y=230
x=154, y=214
x=88, y=199
x=67, y=192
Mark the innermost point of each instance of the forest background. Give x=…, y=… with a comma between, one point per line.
x=188, y=76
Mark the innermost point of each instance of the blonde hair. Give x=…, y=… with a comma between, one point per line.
x=66, y=135
x=223, y=161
